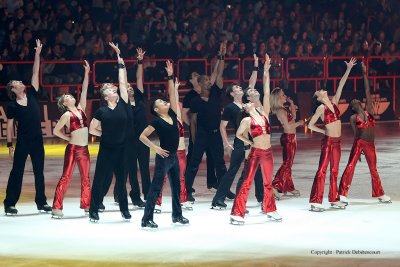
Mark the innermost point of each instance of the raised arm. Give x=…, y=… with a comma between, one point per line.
x=122, y=76
x=253, y=77
x=221, y=66
x=242, y=131
x=85, y=85
x=266, y=84
x=144, y=137
x=282, y=117
x=36, y=65
x=214, y=74
x=139, y=71
x=318, y=113
x=342, y=82
x=58, y=129
x=171, y=87
x=368, y=105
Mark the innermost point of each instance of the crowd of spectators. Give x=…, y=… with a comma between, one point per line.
x=81, y=29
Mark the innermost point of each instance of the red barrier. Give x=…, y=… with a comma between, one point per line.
x=16, y=75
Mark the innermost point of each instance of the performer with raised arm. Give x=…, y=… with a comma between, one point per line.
x=363, y=124
x=285, y=110
x=74, y=118
x=237, y=151
x=25, y=110
x=181, y=152
x=329, y=113
x=208, y=108
x=136, y=150
x=111, y=123
x=166, y=125
x=256, y=123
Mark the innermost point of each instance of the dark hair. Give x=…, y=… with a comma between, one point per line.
x=10, y=93
x=229, y=89
x=152, y=107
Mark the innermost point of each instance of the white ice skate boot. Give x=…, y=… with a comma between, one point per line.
x=157, y=209
x=344, y=200
x=317, y=207
x=338, y=205
x=187, y=205
x=274, y=216
x=385, y=199
x=237, y=220
x=57, y=214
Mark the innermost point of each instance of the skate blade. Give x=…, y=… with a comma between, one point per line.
x=217, y=208
x=315, y=209
x=11, y=214
x=385, y=202
x=56, y=217
x=338, y=207
x=157, y=211
x=93, y=220
x=234, y=222
x=187, y=208
x=274, y=219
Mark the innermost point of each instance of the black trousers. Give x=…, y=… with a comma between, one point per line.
x=164, y=166
x=136, y=152
x=211, y=176
x=211, y=140
x=237, y=158
x=258, y=182
x=33, y=148
x=110, y=159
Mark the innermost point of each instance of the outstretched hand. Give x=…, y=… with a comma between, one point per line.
x=267, y=63
x=351, y=63
x=177, y=84
x=115, y=47
x=255, y=60
x=222, y=48
x=169, y=68
x=140, y=53
x=86, y=66
x=38, y=47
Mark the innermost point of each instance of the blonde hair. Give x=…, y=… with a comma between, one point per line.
x=274, y=100
x=60, y=104
x=106, y=86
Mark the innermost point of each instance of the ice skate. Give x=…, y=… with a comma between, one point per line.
x=344, y=200
x=157, y=209
x=182, y=220
x=316, y=207
x=149, y=224
x=338, y=205
x=101, y=207
x=293, y=193
x=126, y=215
x=93, y=216
x=237, y=220
x=384, y=199
x=10, y=211
x=218, y=204
x=277, y=195
x=230, y=196
x=274, y=216
x=44, y=208
x=139, y=203
x=86, y=211
x=187, y=205
x=57, y=214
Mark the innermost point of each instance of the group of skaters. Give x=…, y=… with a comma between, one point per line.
x=124, y=131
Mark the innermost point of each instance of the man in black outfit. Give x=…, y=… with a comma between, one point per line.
x=165, y=124
x=25, y=109
x=208, y=108
x=111, y=123
x=191, y=120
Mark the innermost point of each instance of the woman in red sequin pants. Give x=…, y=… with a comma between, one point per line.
x=256, y=123
x=363, y=124
x=77, y=149
x=285, y=110
x=327, y=110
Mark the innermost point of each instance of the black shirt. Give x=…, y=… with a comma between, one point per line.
x=167, y=133
x=230, y=114
x=188, y=98
x=139, y=112
x=208, y=112
x=114, y=123
x=28, y=117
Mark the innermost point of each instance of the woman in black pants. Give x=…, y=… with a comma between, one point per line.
x=165, y=124
x=25, y=109
x=111, y=123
